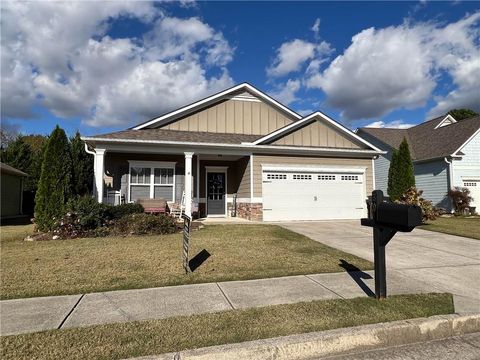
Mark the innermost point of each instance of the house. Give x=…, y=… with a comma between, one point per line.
x=11, y=180
x=239, y=152
x=445, y=153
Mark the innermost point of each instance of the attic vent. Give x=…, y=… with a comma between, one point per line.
x=448, y=120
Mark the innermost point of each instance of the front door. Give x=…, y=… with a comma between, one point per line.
x=216, y=193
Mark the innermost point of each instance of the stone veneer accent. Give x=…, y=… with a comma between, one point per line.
x=250, y=211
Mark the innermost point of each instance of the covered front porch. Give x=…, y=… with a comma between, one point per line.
x=205, y=185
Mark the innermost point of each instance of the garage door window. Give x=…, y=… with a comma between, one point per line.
x=276, y=176
x=350, y=177
x=302, y=177
x=469, y=183
x=327, y=177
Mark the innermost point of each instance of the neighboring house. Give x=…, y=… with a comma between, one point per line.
x=11, y=181
x=239, y=149
x=445, y=153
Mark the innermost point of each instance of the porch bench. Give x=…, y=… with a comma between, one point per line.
x=153, y=206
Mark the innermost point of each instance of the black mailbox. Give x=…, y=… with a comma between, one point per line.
x=387, y=218
x=399, y=216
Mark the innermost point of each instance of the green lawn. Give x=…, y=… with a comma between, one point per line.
x=238, y=252
x=117, y=341
x=456, y=225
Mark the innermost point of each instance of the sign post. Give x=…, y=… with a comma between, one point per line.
x=187, y=220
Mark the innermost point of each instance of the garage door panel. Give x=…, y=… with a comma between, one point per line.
x=303, y=196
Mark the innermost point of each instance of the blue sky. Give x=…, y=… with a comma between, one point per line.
x=100, y=67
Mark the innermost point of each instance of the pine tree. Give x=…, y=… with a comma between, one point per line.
x=400, y=174
x=18, y=154
x=55, y=185
x=82, y=167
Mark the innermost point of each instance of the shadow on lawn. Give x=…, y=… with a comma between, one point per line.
x=357, y=275
x=198, y=260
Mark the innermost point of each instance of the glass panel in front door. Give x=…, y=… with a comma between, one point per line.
x=216, y=186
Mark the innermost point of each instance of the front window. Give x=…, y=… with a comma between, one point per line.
x=152, y=181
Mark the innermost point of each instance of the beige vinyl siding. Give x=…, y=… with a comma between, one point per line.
x=11, y=195
x=233, y=117
x=318, y=134
x=258, y=160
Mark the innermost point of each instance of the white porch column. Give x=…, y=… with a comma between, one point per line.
x=188, y=183
x=99, y=171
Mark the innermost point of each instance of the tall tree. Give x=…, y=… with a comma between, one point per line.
x=18, y=154
x=82, y=167
x=55, y=186
x=460, y=114
x=400, y=174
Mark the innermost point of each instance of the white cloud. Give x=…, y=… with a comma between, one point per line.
x=58, y=55
x=292, y=55
x=398, y=67
x=286, y=93
x=396, y=124
x=316, y=28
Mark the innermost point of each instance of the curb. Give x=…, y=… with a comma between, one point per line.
x=335, y=342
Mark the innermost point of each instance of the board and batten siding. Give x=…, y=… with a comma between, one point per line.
x=318, y=134
x=469, y=165
x=258, y=160
x=382, y=163
x=432, y=178
x=233, y=117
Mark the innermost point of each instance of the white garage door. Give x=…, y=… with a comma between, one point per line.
x=312, y=195
x=474, y=186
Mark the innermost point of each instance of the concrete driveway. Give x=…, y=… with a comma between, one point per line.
x=445, y=262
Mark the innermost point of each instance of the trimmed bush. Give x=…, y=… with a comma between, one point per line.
x=119, y=211
x=142, y=224
x=89, y=212
x=413, y=196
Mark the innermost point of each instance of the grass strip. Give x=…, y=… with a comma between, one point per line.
x=117, y=341
x=460, y=226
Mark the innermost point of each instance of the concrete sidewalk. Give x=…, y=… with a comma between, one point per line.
x=55, y=312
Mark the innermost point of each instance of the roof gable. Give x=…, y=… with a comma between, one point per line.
x=242, y=91
x=319, y=130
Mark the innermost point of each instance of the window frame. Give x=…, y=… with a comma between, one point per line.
x=152, y=165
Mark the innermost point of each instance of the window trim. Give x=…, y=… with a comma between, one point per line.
x=152, y=165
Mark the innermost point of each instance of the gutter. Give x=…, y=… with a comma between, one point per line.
x=244, y=146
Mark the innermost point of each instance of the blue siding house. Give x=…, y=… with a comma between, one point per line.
x=445, y=153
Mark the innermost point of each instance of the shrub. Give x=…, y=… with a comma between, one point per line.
x=84, y=217
x=461, y=199
x=141, y=224
x=89, y=213
x=119, y=211
x=413, y=196
x=400, y=174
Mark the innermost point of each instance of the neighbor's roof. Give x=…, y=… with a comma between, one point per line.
x=180, y=136
x=4, y=168
x=425, y=140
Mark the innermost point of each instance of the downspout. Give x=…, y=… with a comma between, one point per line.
x=450, y=177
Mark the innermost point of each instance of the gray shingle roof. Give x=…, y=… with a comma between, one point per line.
x=180, y=136
x=424, y=140
x=7, y=169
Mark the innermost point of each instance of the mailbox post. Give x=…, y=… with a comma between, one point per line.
x=387, y=218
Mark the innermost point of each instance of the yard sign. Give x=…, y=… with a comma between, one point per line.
x=187, y=220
